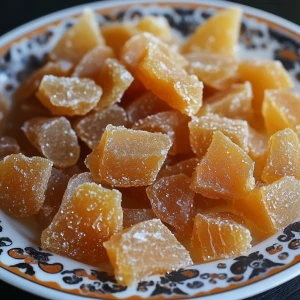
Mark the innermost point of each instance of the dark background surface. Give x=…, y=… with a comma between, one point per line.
x=17, y=12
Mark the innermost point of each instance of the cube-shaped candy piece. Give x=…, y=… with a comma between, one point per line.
x=281, y=109
x=203, y=128
x=23, y=182
x=55, y=139
x=132, y=216
x=91, y=127
x=69, y=96
x=127, y=157
x=174, y=124
x=153, y=244
x=271, y=207
x=217, y=236
x=226, y=171
x=91, y=216
x=172, y=201
x=8, y=145
x=78, y=40
x=219, y=34
x=264, y=75
x=282, y=156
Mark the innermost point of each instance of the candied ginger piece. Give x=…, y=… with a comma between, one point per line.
x=202, y=130
x=217, y=236
x=153, y=244
x=78, y=40
x=219, y=34
x=126, y=157
x=174, y=124
x=172, y=201
x=55, y=139
x=207, y=205
x=91, y=216
x=226, y=171
x=91, y=127
x=8, y=145
x=282, y=156
x=23, y=182
x=132, y=216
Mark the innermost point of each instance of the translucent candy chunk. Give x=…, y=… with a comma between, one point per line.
x=69, y=96
x=78, y=40
x=174, y=124
x=23, y=182
x=114, y=80
x=282, y=156
x=217, y=236
x=128, y=157
x=8, y=145
x=153, y=244
x=219, y=34
x=272, y=207
x=55, y=139
x=91, y=216
x=172, y=201
x=132, y=216
x=225, y=171
x=203, y=128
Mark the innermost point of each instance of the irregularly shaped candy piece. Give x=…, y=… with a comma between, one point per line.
x=91, y=127
x=203, y=128
x=172, y=201
x=69, y=96
x=281, y=109
x=91, y=216
x=271, y=207
x=174, y=124
x=219, y=34
x=8, y=145
x=114, y=80
x=132, y=216
x=264, y=75
x=55, y=139
x=92, y=62
x=78, y=40
x=225, y=171
x=153, y=244
x=128, y=157
x=217, y=236
x=282, y=156
x=23, y=182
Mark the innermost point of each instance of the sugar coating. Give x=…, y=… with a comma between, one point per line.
x=132, y=216
x=23, y=182
x=149, y=242
x=91, y=216
x=55, y=139
x=91, y=127
x=225, y=172
x=69, y=96
x=8, y=145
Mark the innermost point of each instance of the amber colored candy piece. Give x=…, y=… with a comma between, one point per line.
x=263, y=75
x=82, y=224
x=31, y=84
x=226, y=171
x=174, y=124
x=153, y=244
x=132, y=216
x=92, y=62
x=215, y=70
x=207, y=205
x=91, y=127
x=281, y=109
x=271, y=207
x=69, y=96
x=203, y=128
x=8, y=145
x=4, y=110
x=217, y=236
x=23, y=182
x=219, y=34
x=172, y=201
x=127, y=157
x=78, y=40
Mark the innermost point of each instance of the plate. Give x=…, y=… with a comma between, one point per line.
x=25, y=265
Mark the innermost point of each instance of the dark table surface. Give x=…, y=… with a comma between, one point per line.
x=17, y=12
